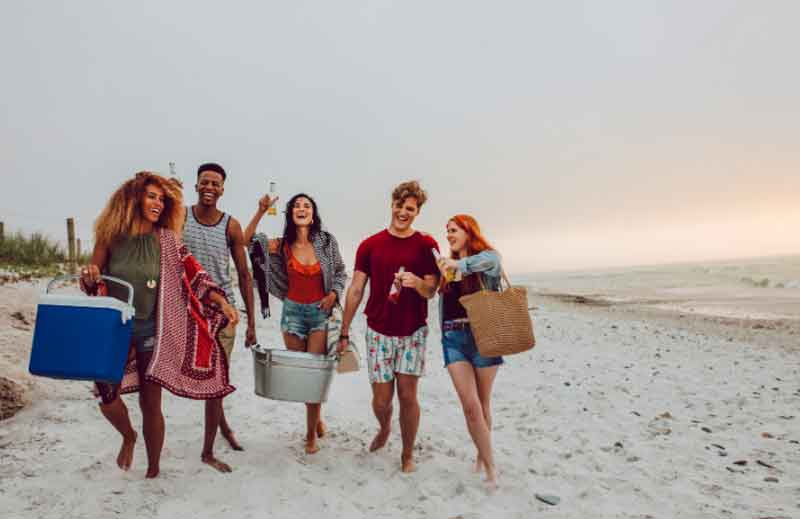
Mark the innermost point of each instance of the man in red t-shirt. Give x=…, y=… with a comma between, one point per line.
x=398, y=257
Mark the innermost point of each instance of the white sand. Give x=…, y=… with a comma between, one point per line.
x=596, y=379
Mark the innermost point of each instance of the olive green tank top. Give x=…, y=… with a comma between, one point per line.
x=137, y=260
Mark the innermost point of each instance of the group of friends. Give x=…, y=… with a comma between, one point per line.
x=177, y=259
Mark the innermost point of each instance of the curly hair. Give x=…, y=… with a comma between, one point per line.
x=122, y=215
x=410, y=189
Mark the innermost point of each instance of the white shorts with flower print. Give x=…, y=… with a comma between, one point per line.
x=389, y=355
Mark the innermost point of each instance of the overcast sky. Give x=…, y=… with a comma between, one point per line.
x=580, y=134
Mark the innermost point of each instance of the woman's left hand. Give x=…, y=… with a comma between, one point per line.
x=327, y=302
x=231, y=313
x=448, y=263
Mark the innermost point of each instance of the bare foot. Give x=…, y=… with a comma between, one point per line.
x=152, y=472
x=221, y=466
x=380, y=439
x=321, y=429
x=312, y=447
x=125, y=456
x=408, y=465
x=229, y=436
x=491, y=481
x=477, y=467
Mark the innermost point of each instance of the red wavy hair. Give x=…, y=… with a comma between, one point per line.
x=476, y=242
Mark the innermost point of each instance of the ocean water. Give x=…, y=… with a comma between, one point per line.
x=760, y=288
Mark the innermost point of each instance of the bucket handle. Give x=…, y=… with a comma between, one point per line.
x=70, y=277
x=256, y=348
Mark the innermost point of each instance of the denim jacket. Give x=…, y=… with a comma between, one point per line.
x=486, y=264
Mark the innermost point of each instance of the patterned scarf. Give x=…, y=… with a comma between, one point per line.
x=187, y=359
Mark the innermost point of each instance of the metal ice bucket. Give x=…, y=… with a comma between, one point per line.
x=293, y=376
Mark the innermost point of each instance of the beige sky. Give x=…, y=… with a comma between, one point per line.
x=581, y=134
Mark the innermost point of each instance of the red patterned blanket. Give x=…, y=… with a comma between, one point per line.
x=187, y=359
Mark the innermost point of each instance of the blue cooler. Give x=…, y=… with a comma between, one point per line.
x=78, y=337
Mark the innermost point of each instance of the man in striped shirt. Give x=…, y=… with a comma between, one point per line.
x=212, y=237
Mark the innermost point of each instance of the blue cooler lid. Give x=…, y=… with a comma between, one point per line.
x=126, y=311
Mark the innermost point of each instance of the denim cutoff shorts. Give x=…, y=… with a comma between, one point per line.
x=143, y=334
x=301, y=319
x=459, y=345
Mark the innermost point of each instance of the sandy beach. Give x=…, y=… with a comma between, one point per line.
x=620, y=410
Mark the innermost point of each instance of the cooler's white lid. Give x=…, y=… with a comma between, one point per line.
x=126, y=311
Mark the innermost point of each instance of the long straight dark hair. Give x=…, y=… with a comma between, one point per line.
x=290, y=228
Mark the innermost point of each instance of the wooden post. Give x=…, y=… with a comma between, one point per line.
x=78, y=254
x=71, y=244
x=2, y=231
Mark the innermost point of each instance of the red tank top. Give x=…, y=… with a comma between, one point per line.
x=305, y=281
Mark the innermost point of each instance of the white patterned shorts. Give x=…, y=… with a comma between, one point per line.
x=389, y=355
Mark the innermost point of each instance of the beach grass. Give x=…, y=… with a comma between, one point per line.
x=33, y=250
x=33, y=255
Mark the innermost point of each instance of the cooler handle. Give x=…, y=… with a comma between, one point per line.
x=110, y=278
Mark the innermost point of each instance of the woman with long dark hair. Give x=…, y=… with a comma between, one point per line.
x=179, y=311
x=306, y=273
x=472, y=374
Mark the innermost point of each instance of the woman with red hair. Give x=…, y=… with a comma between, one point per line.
x=472, y=374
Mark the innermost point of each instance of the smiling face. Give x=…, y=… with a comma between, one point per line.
x=403, y=214
x=456, y=237
x=210, y=186
x=302, y=212
x=152, y=203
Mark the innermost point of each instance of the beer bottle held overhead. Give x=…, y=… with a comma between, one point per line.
x=272, y=211
x=394, y=290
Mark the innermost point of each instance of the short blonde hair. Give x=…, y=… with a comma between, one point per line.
x=410, y=189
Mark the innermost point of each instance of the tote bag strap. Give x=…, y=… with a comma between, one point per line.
x=503, y=277
x=480, y=281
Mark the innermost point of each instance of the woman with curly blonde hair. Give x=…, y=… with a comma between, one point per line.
x=179, y=311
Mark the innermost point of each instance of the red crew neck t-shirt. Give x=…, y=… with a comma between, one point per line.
x=380, y=256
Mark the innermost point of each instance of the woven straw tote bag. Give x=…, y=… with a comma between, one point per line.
x=500, y=321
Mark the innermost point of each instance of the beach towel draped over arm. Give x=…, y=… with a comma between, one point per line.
x=259, y=252
x=187, y=359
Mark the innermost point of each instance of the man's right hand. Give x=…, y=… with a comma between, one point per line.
x=90, y=274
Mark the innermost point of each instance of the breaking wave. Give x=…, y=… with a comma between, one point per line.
x=768, y=283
